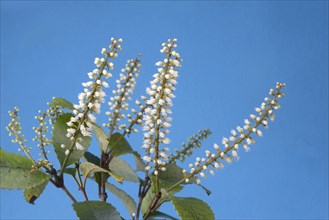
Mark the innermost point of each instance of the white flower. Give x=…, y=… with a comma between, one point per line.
x=79, y=146
x=67, y=152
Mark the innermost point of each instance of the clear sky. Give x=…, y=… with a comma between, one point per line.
x=233, y=52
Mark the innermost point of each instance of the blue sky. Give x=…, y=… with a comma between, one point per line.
x=233, y=52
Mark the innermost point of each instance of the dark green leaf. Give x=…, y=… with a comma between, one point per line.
x=95, y=210
x=63, y=103
x=127, y=200
x=160, y=215
x=118, y=145
x=206, y=190
x=92, y=158
x=191, y=208
x=59, y=137
x=101, y=137
x=33, y=193
x=15, y=172
x=120, y=167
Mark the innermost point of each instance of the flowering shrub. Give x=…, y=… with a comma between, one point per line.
x=157, y=175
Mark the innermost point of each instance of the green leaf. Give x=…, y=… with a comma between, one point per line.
x=205, y=189
x=59, y=137
x=127, y=200
x=160, y=215
x=140, y=165
x=192, y=208
x=15, y=172
x=150, y=195
x=92, y=158
x=101, y=137
x=147, y=200
x=90, y=168
x=173, y=174
x=63, y=103
x=70, y=171
x=33, y=193
x=120, y=167
x=95, y=160
x=95, y=210
x=121, y=147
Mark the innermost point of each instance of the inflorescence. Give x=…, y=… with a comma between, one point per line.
x=119, y=103
x=193, y=142
x=92, y=97
x=41, y=131
x=156, y=117
x=242, y=136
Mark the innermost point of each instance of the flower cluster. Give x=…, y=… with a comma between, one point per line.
x=53, y=112
x=187, y=148
x=40, y=131
x=156, y=117
x=241, y=136
x=92, y=97
x=14, y=128
x=119, y=102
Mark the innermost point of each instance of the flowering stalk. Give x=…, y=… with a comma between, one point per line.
x=187, y=149
x=125, y=87
x=89, y=101
x=155, y=118
x=14, y=128
x=245, y=139
x=136, y=120
x=41, y=137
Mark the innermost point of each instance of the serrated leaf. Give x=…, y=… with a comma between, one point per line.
x=140, y=165
x=119, y=147
x=15, y=172
x=192, y=208
x=160, y=215
x=101, y=137
x=120, y=167
x=90, y=168
x=63, y=103
x=95, y=210
x=34, y=193
x=59, y=137
x=127, y=200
